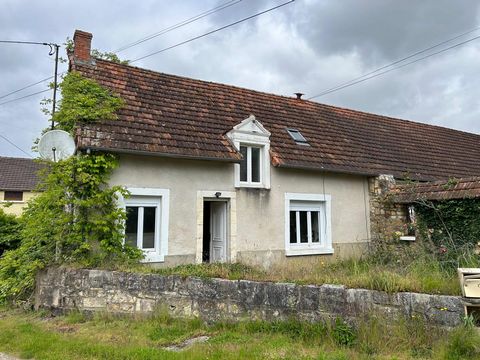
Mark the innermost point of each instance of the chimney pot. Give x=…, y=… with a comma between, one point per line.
x=299, y=95
x=82, y=42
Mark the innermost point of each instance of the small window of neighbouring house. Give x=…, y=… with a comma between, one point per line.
x=297, y=136
x=13, y=196
x=250, y=166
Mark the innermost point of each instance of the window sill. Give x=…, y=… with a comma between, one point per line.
x=152, y=258
x=12, y=202
x=309, y=251
x=251, y=186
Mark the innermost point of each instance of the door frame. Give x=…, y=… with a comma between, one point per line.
x=231, y=222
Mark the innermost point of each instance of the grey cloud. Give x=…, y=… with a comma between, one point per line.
x=384, y=30
x=308, y=46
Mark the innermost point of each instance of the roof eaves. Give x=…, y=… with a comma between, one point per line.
x=159, y=154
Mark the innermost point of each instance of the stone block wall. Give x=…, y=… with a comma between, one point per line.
x=62, y=289
x=386, y=217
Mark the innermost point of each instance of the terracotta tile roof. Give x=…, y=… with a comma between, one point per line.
x=438, y=190
x=177, y=116
x=18, y=174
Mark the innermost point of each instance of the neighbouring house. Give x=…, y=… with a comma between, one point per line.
x=18, y=181
x=221, y=173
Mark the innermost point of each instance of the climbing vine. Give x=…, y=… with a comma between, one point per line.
x=84, y=101
x=453, y=227
x=75, y=219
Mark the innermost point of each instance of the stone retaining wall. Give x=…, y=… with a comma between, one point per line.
x=62, y=289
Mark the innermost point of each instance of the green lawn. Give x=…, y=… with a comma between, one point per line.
x=40, y=336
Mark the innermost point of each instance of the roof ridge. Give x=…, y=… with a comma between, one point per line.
x=17, y=158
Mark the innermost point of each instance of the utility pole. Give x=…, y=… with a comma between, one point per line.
x=53, y=50
x=57, y=47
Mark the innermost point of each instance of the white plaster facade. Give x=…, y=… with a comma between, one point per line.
x=256, y=217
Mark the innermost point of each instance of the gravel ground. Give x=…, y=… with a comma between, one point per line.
x=7, y=357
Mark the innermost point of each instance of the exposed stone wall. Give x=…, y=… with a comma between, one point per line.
x=386, y=217
x=217, y=299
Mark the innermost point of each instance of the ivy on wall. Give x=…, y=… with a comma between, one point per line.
x=84, y=101
x=75, y=219
x=453, y=227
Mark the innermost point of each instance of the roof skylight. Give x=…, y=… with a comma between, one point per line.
x=297, y=136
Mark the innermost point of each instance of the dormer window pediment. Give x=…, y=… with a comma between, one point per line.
x=252, y=140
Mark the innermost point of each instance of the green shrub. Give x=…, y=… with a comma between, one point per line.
x=74, y=220
x=10, y=227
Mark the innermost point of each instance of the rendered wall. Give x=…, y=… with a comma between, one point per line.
x=217, y=299
x=259, y=214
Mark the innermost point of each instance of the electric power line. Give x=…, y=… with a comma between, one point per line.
x=213, y=31
x=26, y=87
x=24, y=42
x=13, y=144
x=24, y=97
x=161, y=32
x=180, y=24
x=366, y=76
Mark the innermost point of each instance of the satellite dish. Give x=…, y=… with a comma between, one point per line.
x=56, y=145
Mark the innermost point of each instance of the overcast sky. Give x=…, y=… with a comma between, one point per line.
x=307, y=46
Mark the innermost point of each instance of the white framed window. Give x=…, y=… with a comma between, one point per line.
x=146, y=225
x=251, y=165
x=252, y=140
x=308, y=224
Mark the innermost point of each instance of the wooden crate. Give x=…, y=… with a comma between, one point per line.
x=470, y=282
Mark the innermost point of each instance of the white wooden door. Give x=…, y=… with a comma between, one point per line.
x=218, y=231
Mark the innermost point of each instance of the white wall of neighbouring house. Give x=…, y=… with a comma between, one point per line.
x=256, y=216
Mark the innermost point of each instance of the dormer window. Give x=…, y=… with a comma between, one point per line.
x=250, y=167
x=297, y=136
x=252, y=140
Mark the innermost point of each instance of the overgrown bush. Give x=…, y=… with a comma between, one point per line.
x=74, y=219
x=453, y=227
x=9, y=232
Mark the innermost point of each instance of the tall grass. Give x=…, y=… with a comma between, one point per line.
x=423, y=274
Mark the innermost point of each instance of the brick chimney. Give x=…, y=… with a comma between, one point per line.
x=82, y=42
